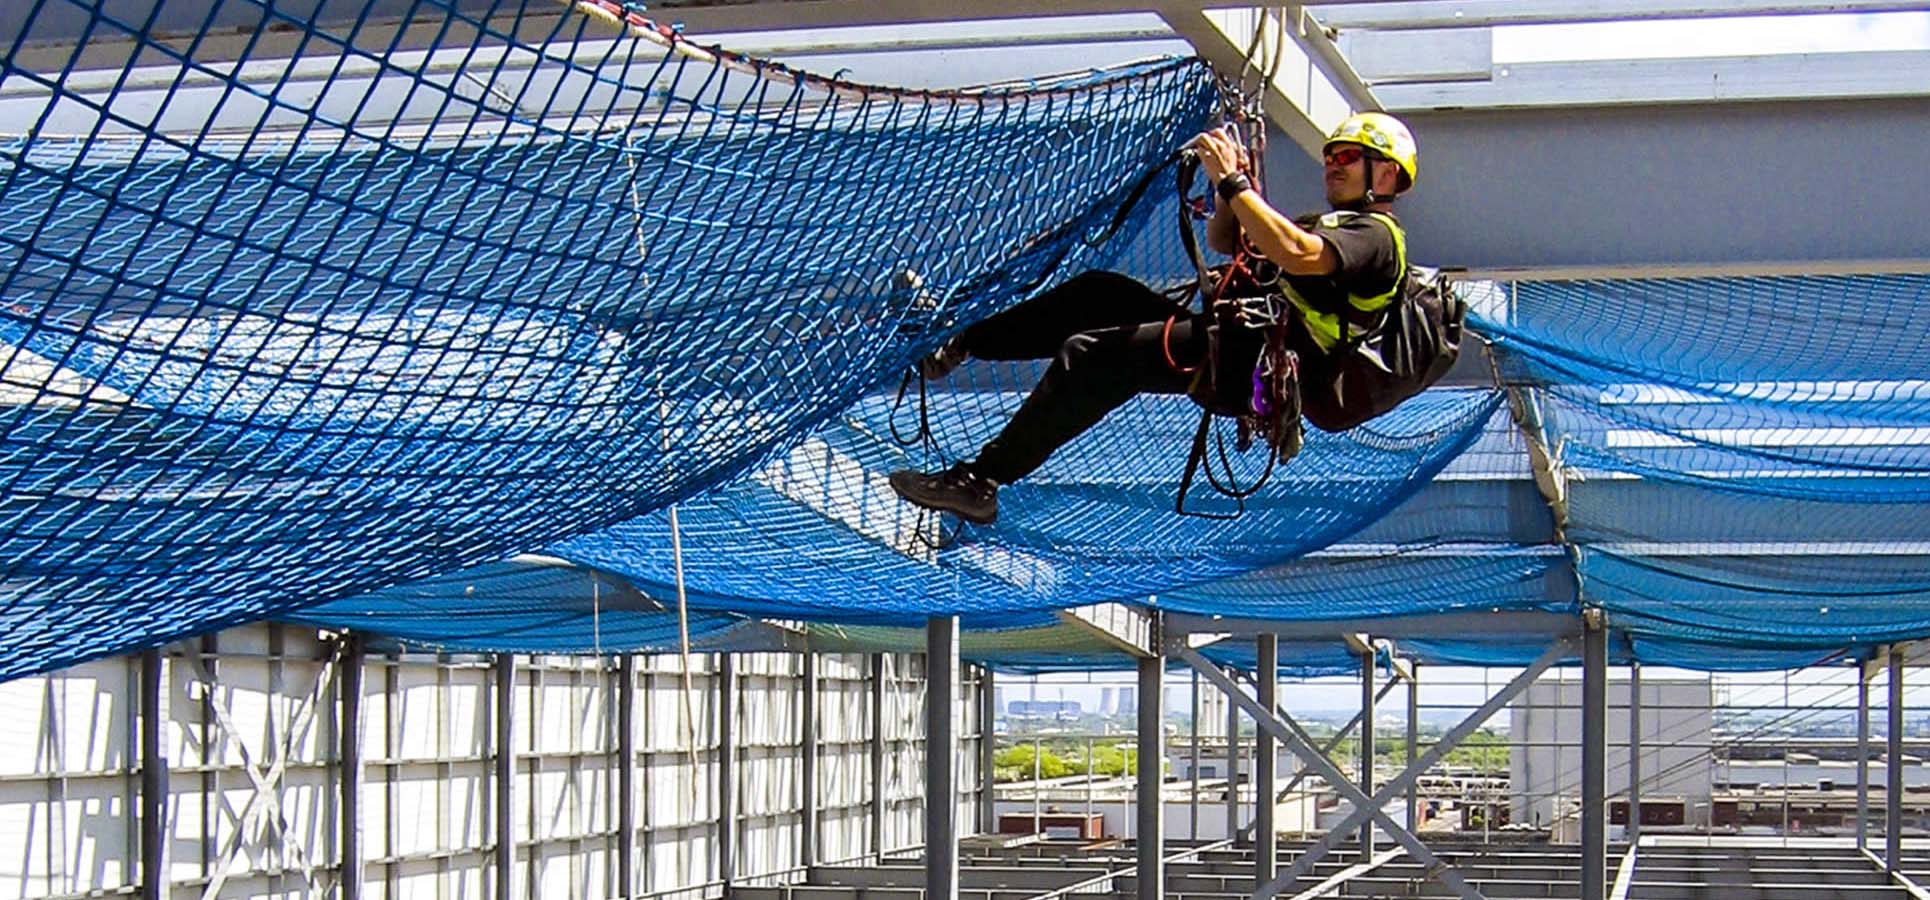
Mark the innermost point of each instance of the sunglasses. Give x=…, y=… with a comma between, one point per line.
x=1347, y=156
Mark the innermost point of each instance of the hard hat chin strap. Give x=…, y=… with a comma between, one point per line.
x=1368, y=197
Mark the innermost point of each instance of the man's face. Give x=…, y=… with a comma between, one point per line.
x=1346, y=173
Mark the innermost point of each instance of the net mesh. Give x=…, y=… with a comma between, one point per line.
x=529, y=605
x=1744, y=457
x=820, y=535
x=287, y=325
x=298, y=311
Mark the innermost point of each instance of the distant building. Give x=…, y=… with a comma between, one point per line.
x=1128, y=701
x=1545, y=759
x=1043, y=708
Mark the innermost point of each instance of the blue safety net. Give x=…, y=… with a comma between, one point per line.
x=528, y=604
x=820, y=535
x=282, y=326
x=1027, y=644
x=1038, y=644
x=1511, y=650
x=1800, y=388
x=1396, y=582
x=1744, y=458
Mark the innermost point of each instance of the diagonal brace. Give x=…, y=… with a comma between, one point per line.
x=1326, y=750
x=1332, y=885
x=1897, y=876
x=263, y=802
x=1293, y=739
x=1435, y=754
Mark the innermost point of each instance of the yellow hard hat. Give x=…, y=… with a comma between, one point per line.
x=1383, y=133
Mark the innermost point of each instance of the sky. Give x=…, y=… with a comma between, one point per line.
x=862, y=53
x=1727, y=37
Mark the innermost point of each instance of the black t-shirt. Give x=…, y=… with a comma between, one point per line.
x=1369, y=265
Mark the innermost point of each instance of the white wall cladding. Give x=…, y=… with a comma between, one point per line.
x=64, y=791
x=259, y=705
x=427, y=729
x=844, y=756
x=904, y=752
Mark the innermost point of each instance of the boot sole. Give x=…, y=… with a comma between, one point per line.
x=937, y=506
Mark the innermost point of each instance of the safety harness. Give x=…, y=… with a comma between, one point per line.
x=1265, y=401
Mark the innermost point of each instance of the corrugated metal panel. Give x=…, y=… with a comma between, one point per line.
x=69, y=784
x=63, y=787
x=844, y=773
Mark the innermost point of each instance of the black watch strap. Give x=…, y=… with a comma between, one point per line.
x=1233, y=185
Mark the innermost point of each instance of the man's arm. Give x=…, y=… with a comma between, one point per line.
x=1295, y=250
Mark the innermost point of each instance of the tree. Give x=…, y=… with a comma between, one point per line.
x=1483, y=751
x=1016, y=764
x=1108, y=759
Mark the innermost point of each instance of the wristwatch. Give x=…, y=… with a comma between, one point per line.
x=1234, y=184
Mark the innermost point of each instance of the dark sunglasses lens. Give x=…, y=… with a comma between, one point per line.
x=1346, y=157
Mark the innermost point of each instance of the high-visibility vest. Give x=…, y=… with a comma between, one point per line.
x=1325, y=326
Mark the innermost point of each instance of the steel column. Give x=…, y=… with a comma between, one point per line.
x=1893, y=768
x=1365, y=806
x=208, y=733
x=1862, y=757
x=808, y=764
x=1038, y=775
x=1413, y=740
x=1232, y=771
x=1634, y=828
x=1266, y=833
x=988, y=713
x=1193, y=796
x=1367, y=745
x=154, y=781
x=941, y=758
x=726, y=769
x=878, y=755
x=1150, y=838
x=626, y=775
x=505, y=775
x=354, y=651
x=391, y=769
x=1594, y=870
x=1035, y=778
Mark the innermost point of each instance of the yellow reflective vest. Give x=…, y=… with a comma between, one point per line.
x=1325, y=326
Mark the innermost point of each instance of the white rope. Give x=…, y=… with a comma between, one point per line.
x=1299, y=15
x=683, y=639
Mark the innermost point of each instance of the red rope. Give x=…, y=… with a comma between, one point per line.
x=1237, y=267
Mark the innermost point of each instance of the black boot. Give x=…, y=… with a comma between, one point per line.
x=957, y=490
x=949, y=355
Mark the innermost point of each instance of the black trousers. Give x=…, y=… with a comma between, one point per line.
x=1106, y=336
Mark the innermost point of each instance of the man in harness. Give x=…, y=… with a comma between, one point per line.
x=1111, y=337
